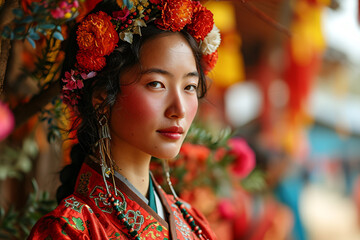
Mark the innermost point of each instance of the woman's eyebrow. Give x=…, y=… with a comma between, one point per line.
x=164, y=72
x=192, y=74
x=156, y=70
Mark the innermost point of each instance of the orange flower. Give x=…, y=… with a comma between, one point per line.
x=89, y=62
x=209, y=61
x=97, y=35
x=175, y=15
x=194, y=152
x=202, y=22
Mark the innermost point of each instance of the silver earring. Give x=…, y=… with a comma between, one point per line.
x=107, y=164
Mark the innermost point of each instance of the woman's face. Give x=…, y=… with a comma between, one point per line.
x=158, y=101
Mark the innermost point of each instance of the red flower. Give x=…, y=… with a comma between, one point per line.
x=194, y=152
x=244, y=161
x=202, y=22
x=209, y=61
x=89, y=62
x=175, y=15
x=156, y=2
x=97, y=35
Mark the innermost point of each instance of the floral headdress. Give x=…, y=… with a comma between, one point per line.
x=99, y=33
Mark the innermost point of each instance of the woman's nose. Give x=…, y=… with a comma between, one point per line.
x=176, y=106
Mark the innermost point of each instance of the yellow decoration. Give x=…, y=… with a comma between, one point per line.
x=307, y=37
x=67, y=15
x=230, y=67
x=224, y=15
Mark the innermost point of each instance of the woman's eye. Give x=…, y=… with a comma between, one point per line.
x=155, y=84
x=191, y=88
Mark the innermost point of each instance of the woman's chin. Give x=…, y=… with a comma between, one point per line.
x=167, y=155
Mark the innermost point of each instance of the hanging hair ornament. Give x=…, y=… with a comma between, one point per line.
x=107, y=164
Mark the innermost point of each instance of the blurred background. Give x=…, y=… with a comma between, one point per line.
x=277, y=138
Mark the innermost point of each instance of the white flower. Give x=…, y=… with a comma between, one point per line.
x=211, y=41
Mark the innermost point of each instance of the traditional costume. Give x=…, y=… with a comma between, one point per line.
x=87, y=213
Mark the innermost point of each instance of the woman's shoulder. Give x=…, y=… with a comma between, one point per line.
x=67, y=221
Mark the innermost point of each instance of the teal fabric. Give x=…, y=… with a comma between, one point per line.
x=152, y=202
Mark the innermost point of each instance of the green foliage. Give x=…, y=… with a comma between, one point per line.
x=36, y=21
x=255, y=182
x=17, y=224
x=200, y=135
x=52, y=116
x=15, y=161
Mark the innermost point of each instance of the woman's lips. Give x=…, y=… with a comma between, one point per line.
x=174, y=132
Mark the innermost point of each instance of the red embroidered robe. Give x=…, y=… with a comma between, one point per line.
x=86, y=215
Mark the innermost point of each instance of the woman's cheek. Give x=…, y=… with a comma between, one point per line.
x=143, y=105
x=193, y=109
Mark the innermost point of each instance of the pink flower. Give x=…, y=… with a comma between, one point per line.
x=7, y=121
x=75, y=4
x=69, y=98
x=87, y=76
x=244, y=161
x=63, y=5
x=226, y=209
x=122, y=14
x=57, y=13
x=71, y=82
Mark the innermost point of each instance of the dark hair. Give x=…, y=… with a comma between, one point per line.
x=107, y=80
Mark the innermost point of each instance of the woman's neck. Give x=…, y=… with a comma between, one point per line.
x=133, y=165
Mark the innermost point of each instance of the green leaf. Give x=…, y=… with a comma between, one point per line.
x=47, y=26
x=19, y=29
x=79, y=223
x=27, y=19
x=33, y=35
x=6, y=32
x=18, y=13
x=58, y=36
x=32, y=42
x=18, y=37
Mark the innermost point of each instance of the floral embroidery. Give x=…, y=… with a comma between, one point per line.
x=84, y=184
x=99, y=196
x=180, y=224
x=73, y=204
x=100, y=199
x=77, y=224
x=136, y=219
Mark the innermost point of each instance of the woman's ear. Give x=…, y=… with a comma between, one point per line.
x=98, y=99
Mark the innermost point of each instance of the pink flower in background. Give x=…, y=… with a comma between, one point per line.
x=63, y=9
x=57, y=13
x=7, y=121
x=244, y=161
x=226, y=209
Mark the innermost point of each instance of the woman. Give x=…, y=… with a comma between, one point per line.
x=133, y=72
